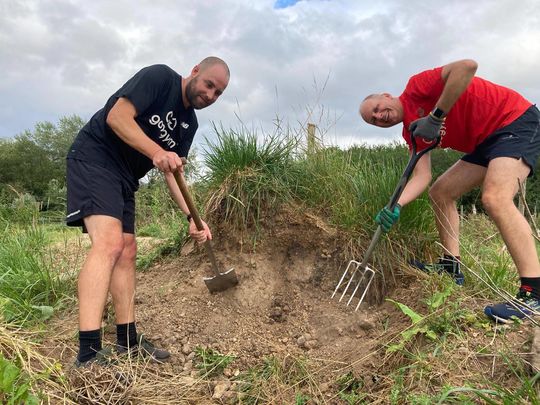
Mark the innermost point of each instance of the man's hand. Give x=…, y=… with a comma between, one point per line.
x=167, y=161
x=386, y=218
x=199, y=236
x=426, y=127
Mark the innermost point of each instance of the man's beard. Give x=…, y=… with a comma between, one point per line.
x=193, y=98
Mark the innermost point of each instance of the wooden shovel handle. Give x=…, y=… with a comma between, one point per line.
x=195, y=216
x=189, y=201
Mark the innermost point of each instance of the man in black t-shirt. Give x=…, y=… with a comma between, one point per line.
x=149, y=122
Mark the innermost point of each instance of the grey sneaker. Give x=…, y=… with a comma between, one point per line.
x=145, y=348
x=104, y=358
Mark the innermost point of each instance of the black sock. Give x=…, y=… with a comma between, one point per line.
x=126, y=334
x=532, y=285
x=89, y=344
x=451, y=264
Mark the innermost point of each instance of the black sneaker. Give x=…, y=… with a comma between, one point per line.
x=444, y=265
x=145, y=348
x=524, y=304
x=104, y=357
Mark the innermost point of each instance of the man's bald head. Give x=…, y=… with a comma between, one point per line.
x=211, y=61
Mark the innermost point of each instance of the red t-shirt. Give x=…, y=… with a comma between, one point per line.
x=483, y=108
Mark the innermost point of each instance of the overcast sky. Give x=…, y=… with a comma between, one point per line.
x=310, y=60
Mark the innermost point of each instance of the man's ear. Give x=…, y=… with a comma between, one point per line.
x=195, y=71
x=388, y=95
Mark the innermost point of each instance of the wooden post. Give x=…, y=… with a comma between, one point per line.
x=311, y=140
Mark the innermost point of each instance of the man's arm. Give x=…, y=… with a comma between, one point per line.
x=199, y=236
x=419, y=181
x=175, y=192
x=121, y=119
x=457, y=77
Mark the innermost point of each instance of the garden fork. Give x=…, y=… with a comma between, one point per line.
x=356, y=272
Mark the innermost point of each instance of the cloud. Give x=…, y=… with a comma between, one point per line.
x=311, y=60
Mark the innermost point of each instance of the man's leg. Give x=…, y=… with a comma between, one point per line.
x=123, y=293
x=122, y=285
x=122, y=288
x=94, y=279
x=459, y=179
x=500, y=187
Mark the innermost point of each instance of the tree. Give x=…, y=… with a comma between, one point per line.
x=30, y=160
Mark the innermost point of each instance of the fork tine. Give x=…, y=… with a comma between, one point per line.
x=341, y=279
x=355, y=264
x=367, y=274
x=367, y=287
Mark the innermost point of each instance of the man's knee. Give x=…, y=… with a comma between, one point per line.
x=129, y=251
x=111, y=246
x=439, y=192
x=494, y=203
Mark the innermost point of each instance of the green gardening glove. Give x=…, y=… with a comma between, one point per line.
x=386, y=218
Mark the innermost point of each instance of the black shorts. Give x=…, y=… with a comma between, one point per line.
x=520, y=140
x=95, y=190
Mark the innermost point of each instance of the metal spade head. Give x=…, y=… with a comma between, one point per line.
x=221, y=281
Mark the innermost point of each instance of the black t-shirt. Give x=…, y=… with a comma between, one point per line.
x=156, y=93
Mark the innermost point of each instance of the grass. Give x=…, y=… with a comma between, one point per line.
x=30, y=290
x=210, y=362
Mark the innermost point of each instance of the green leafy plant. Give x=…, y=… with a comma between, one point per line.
x=14, y=385
x=423, y=324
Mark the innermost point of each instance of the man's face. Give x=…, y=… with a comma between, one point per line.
x=206, y=86
x=382, y=110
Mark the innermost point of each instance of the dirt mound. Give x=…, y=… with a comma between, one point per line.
x=281, y=305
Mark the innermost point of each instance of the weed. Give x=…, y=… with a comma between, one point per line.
x=349, y=389
x=274, y=379
x=211, y=362
x=301, y=399
x=15, y=386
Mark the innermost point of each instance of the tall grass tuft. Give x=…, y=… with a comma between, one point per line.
x=249, y=178
x=354, y=184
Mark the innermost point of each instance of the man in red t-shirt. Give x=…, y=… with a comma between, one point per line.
x=498, y=130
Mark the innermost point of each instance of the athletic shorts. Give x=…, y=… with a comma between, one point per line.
x=520, y=140
x=95, y=190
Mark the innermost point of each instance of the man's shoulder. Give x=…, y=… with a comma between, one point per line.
x=160, y=68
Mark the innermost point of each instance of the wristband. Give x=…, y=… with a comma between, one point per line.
x=188, y=217
x=437, y=113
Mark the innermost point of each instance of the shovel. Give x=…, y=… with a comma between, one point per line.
x=359, y=270
x=221, y=281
